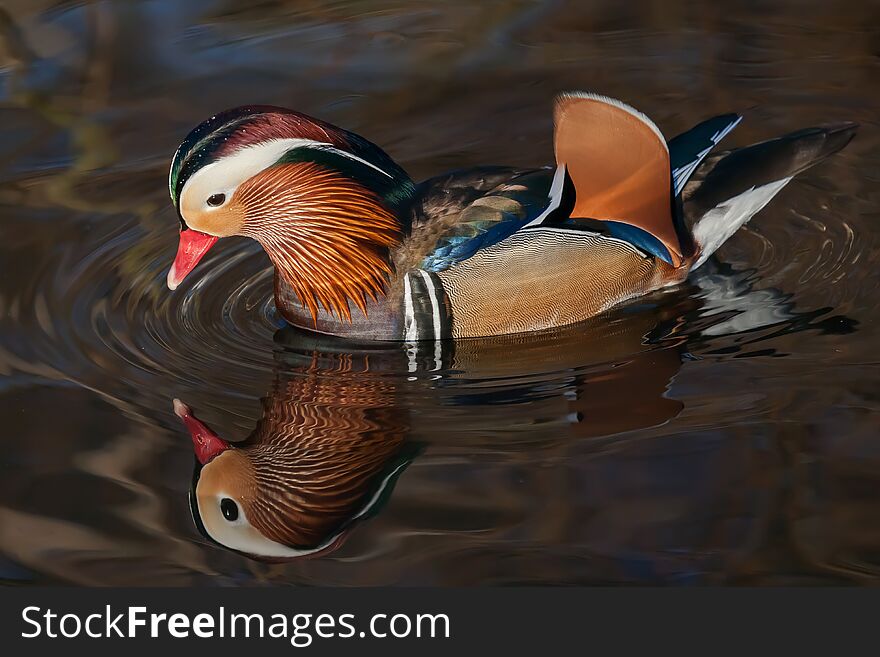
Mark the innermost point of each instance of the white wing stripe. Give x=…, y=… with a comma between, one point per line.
x=555, y=196
x=682, y=174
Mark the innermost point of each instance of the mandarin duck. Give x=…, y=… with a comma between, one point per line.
x=362, y=251
x=325, y=456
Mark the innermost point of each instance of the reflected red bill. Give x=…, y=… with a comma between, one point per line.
x=206, y=444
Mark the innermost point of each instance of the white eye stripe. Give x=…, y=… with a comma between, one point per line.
x=226, y=174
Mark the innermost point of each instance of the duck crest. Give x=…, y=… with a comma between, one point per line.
x=237, y=128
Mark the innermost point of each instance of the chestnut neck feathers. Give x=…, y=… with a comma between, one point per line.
x=327, y=235
x=326, y=205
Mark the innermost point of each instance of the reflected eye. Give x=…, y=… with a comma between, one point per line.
x=229, y=509
x=216, y=199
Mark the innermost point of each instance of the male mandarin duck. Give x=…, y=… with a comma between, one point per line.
x=361, y=251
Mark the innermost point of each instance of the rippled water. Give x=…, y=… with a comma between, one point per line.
x=726, y=431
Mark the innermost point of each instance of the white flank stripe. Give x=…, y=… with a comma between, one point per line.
x=435, y=304
x=411, y=331
x=435, y=307
x=722, y=221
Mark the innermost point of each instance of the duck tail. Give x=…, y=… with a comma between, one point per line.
x=729, y=188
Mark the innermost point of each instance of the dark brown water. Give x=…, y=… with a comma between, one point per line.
x=727, y=431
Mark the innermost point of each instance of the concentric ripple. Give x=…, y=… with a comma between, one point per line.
x=99, y=312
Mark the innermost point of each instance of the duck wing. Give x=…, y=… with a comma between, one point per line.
x=616, y=178
x=462, y=212
x=688, y=150
x=620, y=170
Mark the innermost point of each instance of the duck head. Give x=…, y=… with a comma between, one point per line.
x=324, y=203
x=311, y=470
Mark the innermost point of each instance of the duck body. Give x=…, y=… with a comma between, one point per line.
x=361, y=251
x=533, y=279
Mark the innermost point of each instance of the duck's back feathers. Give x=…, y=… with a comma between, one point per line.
x=506, y=250
x=462, y=212
x=613, y=180
x=488, y=254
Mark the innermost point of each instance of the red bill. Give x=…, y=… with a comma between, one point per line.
x=192, y=248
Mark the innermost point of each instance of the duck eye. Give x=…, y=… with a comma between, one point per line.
x=229, y=509
x=216, y=199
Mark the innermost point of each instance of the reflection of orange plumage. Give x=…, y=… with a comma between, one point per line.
x=336, y=233
x=335, y=429
x=327, y=448
x=332, y=436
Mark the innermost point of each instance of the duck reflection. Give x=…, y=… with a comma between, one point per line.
x=325, y=454
x=335, y=431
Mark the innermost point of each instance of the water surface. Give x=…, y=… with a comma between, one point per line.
x=725, y=431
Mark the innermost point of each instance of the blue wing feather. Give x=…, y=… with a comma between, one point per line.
x=460, y=247
x=641, y=239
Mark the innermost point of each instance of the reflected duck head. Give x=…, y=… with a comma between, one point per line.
x=297, y=486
